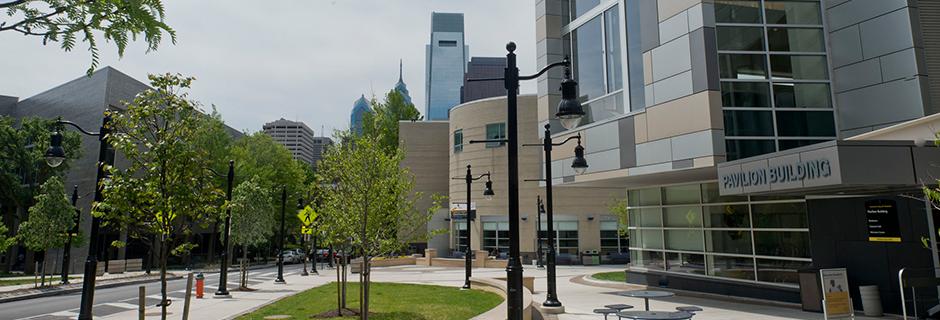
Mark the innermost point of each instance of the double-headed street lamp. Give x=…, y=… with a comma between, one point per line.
x=580, y=166
x=569, y=113
x=488, y=195
x=54, y=156
x=223, y=272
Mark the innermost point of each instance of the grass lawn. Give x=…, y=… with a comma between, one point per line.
x=618, y=276
x=387, y=301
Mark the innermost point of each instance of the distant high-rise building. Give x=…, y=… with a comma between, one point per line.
x=446, y=64
x=360, y=108
x=295, y=136
x=320, y=144
x=483, y=67
x=401, y=87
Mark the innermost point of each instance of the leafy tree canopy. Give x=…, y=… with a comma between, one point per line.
x=259, y=156
x=252, y=213
x=22, y=167
x=50, y=219
x=382, y=122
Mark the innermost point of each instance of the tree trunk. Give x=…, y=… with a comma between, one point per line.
x=244, y=266
x=42, y=268
x=339, y=284
x=163, y=258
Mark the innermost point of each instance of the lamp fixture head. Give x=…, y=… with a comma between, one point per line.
x=570, y=110
x=488, y=192
x=55, y=155
x=579, y=164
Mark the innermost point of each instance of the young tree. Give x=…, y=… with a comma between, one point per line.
x=252, y=219
x=167, y=183
x=371, y=203
x=382, y=122
x=64, y=21
x=50, y=221
x=6, y=240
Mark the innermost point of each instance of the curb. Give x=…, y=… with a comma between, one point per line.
x=79, y=289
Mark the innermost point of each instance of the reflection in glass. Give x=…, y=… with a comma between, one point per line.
x=802, y=95
x=745, y=123
x=647, y=238
x=796, y=39
x=614, y=58
x=741, y=38
x=588, y=59
x=650, y=217
x=793, y=12
x=793, y=244
x=739, y=149
x=684, y=240
x=780, y=271
x=806, y=124
x=742, y=66
x=731, y=267
x=644, y=197
x=647, y=259
x=745, y=94
x=790, y=144
x=727, y=216
x=682, y=217
x=780, y=215
x=580, y=7
x=736, y=242
x=711, y=194
x=685, y=263
x=798, y=67
x=682, y=194
x=737, y=11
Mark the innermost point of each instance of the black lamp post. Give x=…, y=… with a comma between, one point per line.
x=223, y=272
x=538, y=233
x=488, y=194
x=313, y=240
x=300, y=207
x=280, y=247
x=570, y=113
x=54, y=156
x=67, y=251
x=580, y=166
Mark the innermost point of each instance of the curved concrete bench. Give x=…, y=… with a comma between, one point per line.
x=499, y=287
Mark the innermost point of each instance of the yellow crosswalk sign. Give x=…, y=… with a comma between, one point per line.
x=306, y=230
x=307, y=216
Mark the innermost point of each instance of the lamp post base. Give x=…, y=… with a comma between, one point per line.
x=551, y=310
x=280, y=281
x=222, y=295
x=552, y=303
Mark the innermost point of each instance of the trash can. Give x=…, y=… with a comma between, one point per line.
x=590, y=258
x=871, y=301
x=810, y=289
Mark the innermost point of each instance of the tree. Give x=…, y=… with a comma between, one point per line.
x=64, y=21
x=6, y=241
x=382, y=122
x=167, y=185
x=252, y=219
x=619, y=207
x=50, y=220
x=371, y=204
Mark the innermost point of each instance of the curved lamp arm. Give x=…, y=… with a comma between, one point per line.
x=61, y=122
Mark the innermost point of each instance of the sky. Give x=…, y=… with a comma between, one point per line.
x=305, y=60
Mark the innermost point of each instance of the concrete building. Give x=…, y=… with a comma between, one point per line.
x=446, y=64
x=296, y=136
x=320, y=144
x=426, y=152
x=687, y=98
x=483, y=67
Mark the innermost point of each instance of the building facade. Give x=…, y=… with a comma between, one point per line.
x=296, y=136
x=483, y=67
x=359, y=110
x=446, y=59
x=676, y=90
x=320, y=145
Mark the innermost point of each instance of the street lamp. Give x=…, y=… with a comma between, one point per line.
x=538, y=232
x=280, y=247
x=67, y=251
x=54, y=157
x=569, y=110
x=580, y=166
x=223, y=272
x=488, y=195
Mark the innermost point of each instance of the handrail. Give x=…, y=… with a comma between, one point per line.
x=902, y=282
x=903, y=300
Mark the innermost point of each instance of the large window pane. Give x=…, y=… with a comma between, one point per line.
x=458, y=140
x=780, y=215
x=682, y=217
x=614, y=58
x=685, y=263
x=731, y=267
x=736, y=242
x=798, y=67
x=741, y=38
x=685, y=240
x=782, y=244
x=745, y=94
x=648, y=259
x=711, y=194
x=579, y=7
x=742, y=66
x=684, y=194
x=646, y=238
x=801, y=95
x=727, y=216
x=740, y=149
x=644, y=197
x=737, y=11
x=796, y=39
x=588, y=59
x=793, y=12
x=806, y=124
x=650, y=217
x=779, y=271
x=741, y=123
x=495, y=131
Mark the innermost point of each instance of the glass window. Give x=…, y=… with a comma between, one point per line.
x=727, y=216
x=682, y=217
x=790, y=144
x=614, y=58
x=793, y=12
x=650, y=217
x=447, y=43
x=780, y=215
x=731, y=267
x=635, y=55
x=685, y=240
x=741, y=38
x=458, y=140
x=580, y=7
x=612, y=240
x=685, y=263
x=742, y=66
x=782, y=244
x=496, y=237
x=780, y=271
x=647, y=259
x=806, y=124
x=796, y=39
x=743, y=123
x=802, y=95
x=710, y=194
x=495, y=131
x=647, y=238
x=737, y=11
x=684, y=194
x=461, y=228
x=588, y=59
x=745, y=94
x=740, y=149
x=644, y=197
x=735, y=242
x=798, y=67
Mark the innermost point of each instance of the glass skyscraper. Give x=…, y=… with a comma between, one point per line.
x=446, y=64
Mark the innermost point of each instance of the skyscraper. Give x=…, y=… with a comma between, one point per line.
x=295, y=136
x=446, y=64
x=483, y=67
x=401, y=87
x=360, y=108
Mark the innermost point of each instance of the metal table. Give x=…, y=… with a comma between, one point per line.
x=646, y=295
x=655, y=315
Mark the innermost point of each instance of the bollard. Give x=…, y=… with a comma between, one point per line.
x=141, y=302
x=200, y=285
x=189, y=293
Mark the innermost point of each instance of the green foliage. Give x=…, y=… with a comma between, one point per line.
x=252, y=213
x=273, y=168
x=65, y=21
x=50, y=219
x=6, y=240
x=21, y=156
x=618, y=207
x=382, y=122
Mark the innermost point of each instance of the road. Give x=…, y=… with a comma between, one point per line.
x=123, y=298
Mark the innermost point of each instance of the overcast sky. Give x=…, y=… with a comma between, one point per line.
x=302, y=60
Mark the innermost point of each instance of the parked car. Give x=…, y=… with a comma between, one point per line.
x=300, y=253
x=290, y=256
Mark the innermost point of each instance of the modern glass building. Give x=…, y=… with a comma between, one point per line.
x=359, y=110
x=446, y=64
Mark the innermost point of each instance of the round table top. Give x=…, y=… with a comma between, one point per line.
x=647, y=294
x=655, y=315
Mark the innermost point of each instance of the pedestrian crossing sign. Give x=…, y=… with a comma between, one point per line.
x=307, y=216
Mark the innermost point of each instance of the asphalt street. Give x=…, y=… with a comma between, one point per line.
x=123, y=298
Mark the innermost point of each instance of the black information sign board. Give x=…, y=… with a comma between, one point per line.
x=882, y=217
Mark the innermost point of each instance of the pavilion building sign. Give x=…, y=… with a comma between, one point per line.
x=787, y=171
x=782, y=173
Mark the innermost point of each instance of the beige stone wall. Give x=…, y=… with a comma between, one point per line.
x=425, y=145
